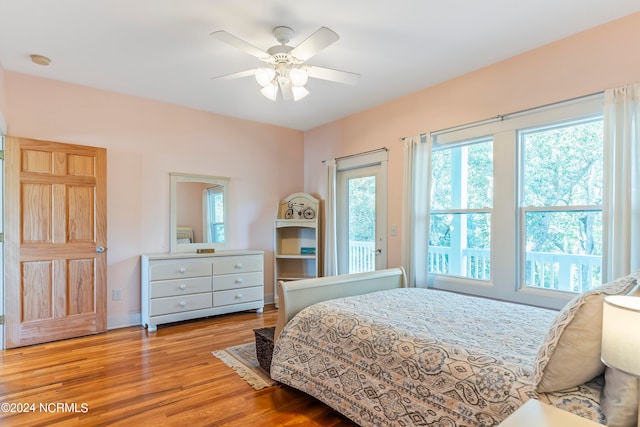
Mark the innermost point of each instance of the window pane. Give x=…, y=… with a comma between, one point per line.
x=216, y=214
x=218, y=233
x=362, y=224
x=218, y=207
x=459, y=245
x=563, y=165
x=463, y=176
x=563, y=250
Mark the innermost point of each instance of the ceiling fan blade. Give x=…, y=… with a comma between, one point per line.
x=238, y=43
x=313, y=44
x=333, y=75
x=237, y=75
x=285, y=88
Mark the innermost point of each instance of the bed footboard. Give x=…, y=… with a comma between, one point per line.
x=296, y=295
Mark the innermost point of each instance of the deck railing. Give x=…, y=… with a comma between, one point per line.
x=574, y=273
x=362, y=256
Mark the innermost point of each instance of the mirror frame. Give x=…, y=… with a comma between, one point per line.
x=176, y=178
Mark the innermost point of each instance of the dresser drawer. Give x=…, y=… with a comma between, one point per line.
x=163, y=270
x=179, y=304
x=237, y=264
x=237, y=296
x=169, y=288
x=235, y=281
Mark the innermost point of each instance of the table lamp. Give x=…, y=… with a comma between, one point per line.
x=621, y=334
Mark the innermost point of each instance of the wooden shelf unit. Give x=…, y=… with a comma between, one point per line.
x=296, y=250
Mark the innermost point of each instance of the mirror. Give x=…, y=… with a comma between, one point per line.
x=199, y=212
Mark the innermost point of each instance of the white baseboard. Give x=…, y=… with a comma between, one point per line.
x=268, y=299
x=123, y=320
x=135, y=319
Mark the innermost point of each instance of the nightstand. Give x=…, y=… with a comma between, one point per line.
x=537, y=414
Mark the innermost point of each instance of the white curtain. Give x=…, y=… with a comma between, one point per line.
x=415, y=208
x=621, y=204
x=3, y=124
x=330, y=234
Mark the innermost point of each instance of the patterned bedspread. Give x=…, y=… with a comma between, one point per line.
x=419, y=357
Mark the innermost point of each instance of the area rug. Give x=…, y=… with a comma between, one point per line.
x=242, y=359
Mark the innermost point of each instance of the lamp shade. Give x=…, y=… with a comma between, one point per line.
x=264, y=76
x=299, y=76
x=621, y=333
x=270, y=91
x=299, y=93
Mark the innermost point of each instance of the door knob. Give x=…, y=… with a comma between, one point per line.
x=100, y=249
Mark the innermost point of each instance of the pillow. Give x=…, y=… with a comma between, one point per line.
x=619, y=398
x=570, y=354
x=635, y=292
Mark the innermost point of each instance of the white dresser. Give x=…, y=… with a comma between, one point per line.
x=185, y=286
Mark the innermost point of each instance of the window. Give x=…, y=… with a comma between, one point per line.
x=516, y=205
x=561, y=205
x=462, y=198
x=215, y=207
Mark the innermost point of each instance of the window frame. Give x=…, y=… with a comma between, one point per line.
x=523, y=210
x=463, y=211
x=507, y=271
x=209, y=195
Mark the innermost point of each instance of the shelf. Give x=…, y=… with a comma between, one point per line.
x=309, y=223
x=296, y=251
x=293, y=256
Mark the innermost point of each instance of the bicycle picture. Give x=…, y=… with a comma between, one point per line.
x=300, y=209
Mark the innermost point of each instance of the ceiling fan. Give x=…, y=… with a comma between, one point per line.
x=286, y=71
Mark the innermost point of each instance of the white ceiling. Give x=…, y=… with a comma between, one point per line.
x=161, y=49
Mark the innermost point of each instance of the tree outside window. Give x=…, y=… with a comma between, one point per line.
x=561, y=205
x=462, y=198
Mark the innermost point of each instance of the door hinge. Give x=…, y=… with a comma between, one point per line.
x=1, y=154
x=1, y=319
x=1, y=237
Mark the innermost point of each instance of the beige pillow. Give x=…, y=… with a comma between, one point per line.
x=570, y=354
x=619, y=398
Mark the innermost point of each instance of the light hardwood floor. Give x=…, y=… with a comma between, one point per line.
x=168, y=378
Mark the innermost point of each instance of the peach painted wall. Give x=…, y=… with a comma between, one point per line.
x=145, y=141
x=189, y=212
x=589, y=62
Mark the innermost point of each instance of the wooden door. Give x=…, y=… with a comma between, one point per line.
x=55, y=234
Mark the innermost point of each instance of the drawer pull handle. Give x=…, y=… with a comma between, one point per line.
x=182, y=303
x=239, y=296
x=182, y=270
x=183, y=286
x=239, y=281
x=239, y=265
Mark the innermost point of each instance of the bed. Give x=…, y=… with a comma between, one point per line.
x=385, y=354
x=184, y=234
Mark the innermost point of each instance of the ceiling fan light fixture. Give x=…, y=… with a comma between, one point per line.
x=264, y=76
x=299, y=76
x=286, y=71
x=299, y=92
x=270, y=91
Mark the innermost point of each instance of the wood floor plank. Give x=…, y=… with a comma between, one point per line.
x=130, y=377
